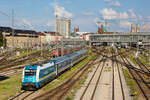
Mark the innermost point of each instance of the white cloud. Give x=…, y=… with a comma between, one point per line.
x=140, y=16
x=124, y=15
x=109, y=13
x=97, y=21
x=125, y=24
x=112, y=3
x=85, y=24
x=124, y=19
x=18, y=24
x=48, y=24
x=26, y=22
x=61, y=11
x=132, y=13
x=148, y=17
x=135, y=17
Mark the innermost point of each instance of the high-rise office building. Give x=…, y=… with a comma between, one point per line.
x=63, y=26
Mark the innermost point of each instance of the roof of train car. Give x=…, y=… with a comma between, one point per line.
x=72, y=54
x=59, y=59
x=36, y=65
x=81, y=51
x=40, y=63
x=77, y=53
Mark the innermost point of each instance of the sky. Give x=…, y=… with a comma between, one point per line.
x=39, y=15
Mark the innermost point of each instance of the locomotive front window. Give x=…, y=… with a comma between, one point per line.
x=30, y=72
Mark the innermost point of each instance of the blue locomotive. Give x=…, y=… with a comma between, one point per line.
x=36, y=75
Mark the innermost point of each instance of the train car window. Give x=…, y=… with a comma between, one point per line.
x=51, y=68
x=75, y=59
x=59, y=65
x=47, y=61
x=62, y=64
x=30, y=72
x=68, y=62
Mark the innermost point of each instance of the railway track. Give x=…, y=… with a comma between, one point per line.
x=17, y=63
x=25, y=94
x=113, y=85
x=114, y=55
x=121, y=83
x=4, y=58
x=140, y=81
x=60, y=92
x=7, y=68
x=117, y=70
x=10, y=73
x=22, y=95
x=93, y=89
x=142, y=66
x=98, y=70
x=15, y=68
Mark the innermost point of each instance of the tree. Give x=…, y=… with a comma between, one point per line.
x=2, y=40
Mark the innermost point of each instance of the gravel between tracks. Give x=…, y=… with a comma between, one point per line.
x=104, y=87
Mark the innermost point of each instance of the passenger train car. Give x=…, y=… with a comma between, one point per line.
x=65, y=51
x=37, y=75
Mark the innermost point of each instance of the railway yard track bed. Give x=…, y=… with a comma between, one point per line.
x=99, y=84
x=100, y=76
x=61, y=91
x=143, y=89
x=58, y=81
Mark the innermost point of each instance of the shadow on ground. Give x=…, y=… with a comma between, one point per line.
x=3, y=78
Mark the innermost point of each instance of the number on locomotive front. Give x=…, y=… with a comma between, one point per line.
x=30, y=72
